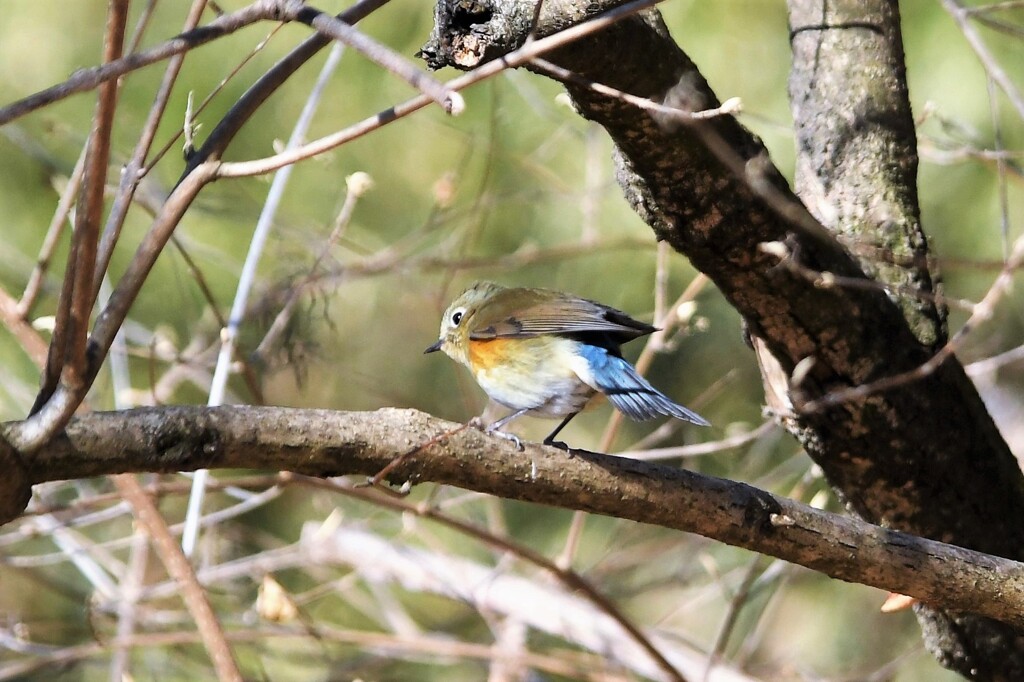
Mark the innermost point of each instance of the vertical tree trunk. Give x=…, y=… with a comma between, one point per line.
x=857, y=173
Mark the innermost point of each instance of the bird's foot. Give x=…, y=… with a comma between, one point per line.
x=558, y=444
x=493, y=430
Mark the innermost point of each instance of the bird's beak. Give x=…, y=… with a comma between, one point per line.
x=436, y=346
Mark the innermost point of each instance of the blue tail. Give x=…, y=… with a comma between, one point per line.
x=630, y=392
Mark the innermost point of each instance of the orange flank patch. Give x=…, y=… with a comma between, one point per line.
x=485, y=355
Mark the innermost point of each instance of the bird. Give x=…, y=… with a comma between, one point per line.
x=546, y=353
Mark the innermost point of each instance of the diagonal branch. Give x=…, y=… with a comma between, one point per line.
x=131, y=176
x=66, y=360
x=384, y=57
x=178, y=567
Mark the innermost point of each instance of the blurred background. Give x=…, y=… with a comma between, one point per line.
x=518, y=190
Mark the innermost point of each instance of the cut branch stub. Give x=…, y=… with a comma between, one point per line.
x=15, y=488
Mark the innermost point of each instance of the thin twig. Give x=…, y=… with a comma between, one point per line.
x=35, y=430
x=246, y=281
x=492, y=590
x=384, y=57
x=826, y=280
x=584, y=668
x=210, y=631
x=28, y=338
x=132, y=174
x=991, y=65
x=88, y=79
x=571, y=579
x=67, y=355
x=180, y=132
x=701, y=449
x=356, y=185
x=736, y=604
x=53, y=232
x=247, y=105
x=127, y=601
x=730, y=107
x=514, y=59
x=982, y=311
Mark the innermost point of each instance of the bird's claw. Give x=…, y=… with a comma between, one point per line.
x=558, y=444
x=507, y=436
x=495, y=429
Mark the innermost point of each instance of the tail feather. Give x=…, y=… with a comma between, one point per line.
x=632, y=395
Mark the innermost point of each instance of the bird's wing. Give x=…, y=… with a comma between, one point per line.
x=518, y=313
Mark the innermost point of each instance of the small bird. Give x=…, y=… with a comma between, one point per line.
x=545, y=353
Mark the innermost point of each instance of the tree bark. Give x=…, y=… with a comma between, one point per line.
x=857, y=173
x=923, y=456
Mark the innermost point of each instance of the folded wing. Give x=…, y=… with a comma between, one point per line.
x=519, y=313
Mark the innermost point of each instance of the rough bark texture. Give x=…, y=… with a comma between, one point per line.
x=857, y=146
x=325, y=443
x=857, y=173
x=924, y=457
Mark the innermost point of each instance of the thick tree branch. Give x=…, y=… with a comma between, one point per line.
x=324, y=443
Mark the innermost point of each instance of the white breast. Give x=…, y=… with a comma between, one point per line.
x=548, y=387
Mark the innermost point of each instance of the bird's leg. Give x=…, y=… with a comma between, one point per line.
x=495, y=428
x=550, y=440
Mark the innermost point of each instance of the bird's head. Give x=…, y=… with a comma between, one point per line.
x=457, y=321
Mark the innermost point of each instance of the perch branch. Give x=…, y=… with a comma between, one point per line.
x=323, y=443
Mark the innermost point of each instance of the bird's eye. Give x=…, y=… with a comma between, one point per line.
x=457, y=317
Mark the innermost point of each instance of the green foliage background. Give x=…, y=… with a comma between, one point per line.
x=520, y=168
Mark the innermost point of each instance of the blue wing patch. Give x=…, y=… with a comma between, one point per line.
x=630, y=392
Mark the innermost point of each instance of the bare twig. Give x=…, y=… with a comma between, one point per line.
x=15, y=323
x=992, y=67
x=584, y=668
x=736, y=604
x=729, y=107
x=491, y=591
x=384, y=57
x=246, y=281
x=571, y=579
x=37, y=429
x=128, y=598
x=88, y=79
x=226, y=129
x=517, y=58
x=982, y=311
x=53, y=232
x=132, y=174
x=824, y=279
x=66, y=360
x=356, y=185
x=701, y=449
x=180, y=570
